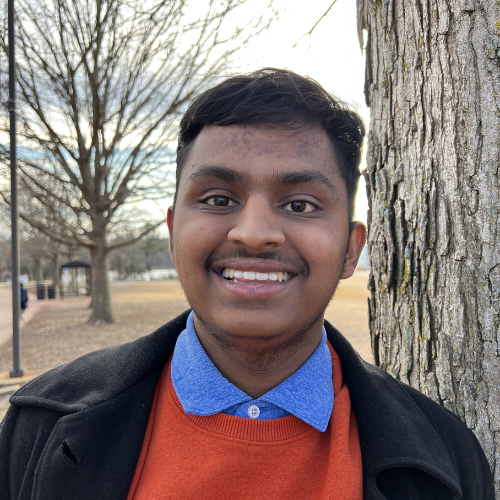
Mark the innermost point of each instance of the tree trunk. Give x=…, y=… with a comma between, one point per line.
x=55, y=269
x=433, y=86
x=38, y=270
x=101, y=296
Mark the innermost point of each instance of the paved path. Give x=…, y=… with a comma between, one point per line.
x=6, y=312
x=33, y=306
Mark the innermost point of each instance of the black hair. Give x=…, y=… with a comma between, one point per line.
x=283, y=98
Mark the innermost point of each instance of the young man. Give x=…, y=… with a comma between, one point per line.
x=251, y=394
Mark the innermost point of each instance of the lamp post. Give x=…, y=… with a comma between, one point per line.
x=16, y=371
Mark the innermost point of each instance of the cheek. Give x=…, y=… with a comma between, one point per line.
x=194, y=240
x=324, y=251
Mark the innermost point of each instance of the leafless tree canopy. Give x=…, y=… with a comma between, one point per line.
x=101, y=85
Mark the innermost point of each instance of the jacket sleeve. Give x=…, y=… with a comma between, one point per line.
x=24, y=432
x=488, y=484
x=6, y=426
x=465, y=452
x=470, y=460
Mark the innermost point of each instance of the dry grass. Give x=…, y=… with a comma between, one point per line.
x=58, y=335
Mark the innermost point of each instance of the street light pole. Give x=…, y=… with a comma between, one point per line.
x=16, y=371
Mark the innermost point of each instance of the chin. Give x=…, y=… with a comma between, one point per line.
x=256, y=332
x=249, y=328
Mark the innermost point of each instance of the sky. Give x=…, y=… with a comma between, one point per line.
x=331, y=55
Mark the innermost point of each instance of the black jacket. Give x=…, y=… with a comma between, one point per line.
x=76, y=431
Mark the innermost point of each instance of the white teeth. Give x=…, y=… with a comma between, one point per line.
x=254, y=275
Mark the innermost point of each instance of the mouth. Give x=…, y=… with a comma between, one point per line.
x=256, y=280
x=254, y=277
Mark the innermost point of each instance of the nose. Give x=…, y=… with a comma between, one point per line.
x=258, y=226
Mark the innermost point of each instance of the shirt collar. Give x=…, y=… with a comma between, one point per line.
x=203, y=390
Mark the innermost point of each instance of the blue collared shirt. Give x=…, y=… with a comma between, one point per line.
x=203, y=390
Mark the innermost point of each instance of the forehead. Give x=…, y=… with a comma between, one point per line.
x=258, y=151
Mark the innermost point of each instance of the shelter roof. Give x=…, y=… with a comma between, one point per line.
x=74, y=263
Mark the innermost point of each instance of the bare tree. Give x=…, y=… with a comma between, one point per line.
x=35, y=251
x=128, y=262
x=151, y=246
x=433, y=86
x=37, y=248
x=101, y=86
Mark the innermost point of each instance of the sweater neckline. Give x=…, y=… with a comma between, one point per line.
x=307, y=393
x=246, y=429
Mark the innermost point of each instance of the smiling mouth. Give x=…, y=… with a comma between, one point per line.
x=254, y=277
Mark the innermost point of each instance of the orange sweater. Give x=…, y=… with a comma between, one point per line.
x=226, y=457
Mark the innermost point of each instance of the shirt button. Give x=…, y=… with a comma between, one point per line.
x=253, y=411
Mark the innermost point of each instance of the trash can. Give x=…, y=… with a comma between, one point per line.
x=51, y=291
x=40, y=291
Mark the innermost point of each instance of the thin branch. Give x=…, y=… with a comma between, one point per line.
x=309, y=33
x=122, y=244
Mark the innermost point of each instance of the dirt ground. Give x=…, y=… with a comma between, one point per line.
x=58, y=331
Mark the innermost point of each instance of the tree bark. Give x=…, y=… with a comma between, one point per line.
x=38, y=269
x=433, y=86
x=101, y=296
x=55, y=268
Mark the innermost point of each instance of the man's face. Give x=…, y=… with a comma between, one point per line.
x=260, y=233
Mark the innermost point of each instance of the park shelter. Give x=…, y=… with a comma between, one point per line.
x=75, y=279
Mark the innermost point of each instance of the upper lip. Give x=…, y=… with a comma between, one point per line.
x=258, y=265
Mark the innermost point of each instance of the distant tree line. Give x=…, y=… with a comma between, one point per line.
x=41, y=258
x=143, y=257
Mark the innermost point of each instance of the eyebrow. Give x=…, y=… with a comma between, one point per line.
x=280, y=179
x=216, y=172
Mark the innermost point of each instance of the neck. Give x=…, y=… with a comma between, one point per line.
x=258, y=365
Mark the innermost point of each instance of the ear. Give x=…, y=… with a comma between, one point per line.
x=170, y=224
x=356, y=244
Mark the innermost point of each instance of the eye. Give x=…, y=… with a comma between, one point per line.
x=220, y=201
x=299, y=206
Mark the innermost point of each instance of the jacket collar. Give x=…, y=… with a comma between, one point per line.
x=385, y=443
x=407, y=438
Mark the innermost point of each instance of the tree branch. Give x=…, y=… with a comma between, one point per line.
x=309, y=33
x=137, y=238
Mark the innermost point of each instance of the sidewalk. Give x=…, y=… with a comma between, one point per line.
x=33, y=306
